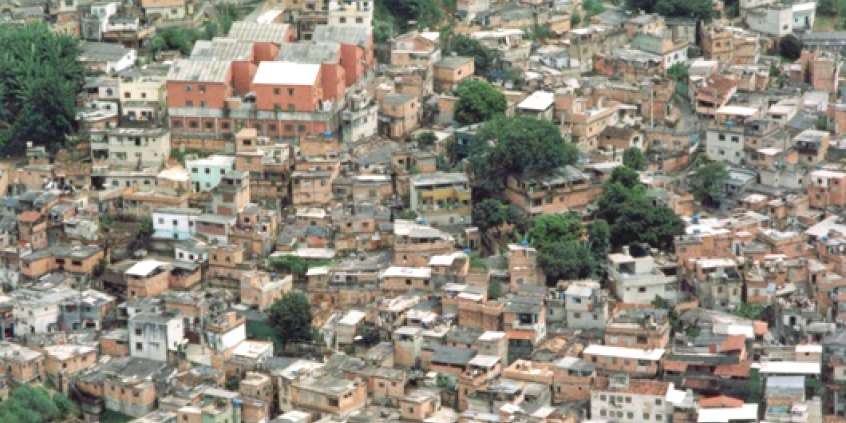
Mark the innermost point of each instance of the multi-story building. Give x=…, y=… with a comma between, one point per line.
x=585, y=306
x=147, y=278
x=639, y=279
x=328, y=395
x=21, y=364
x=143, y=95
x=564, y=190
x=173, y=223
x=132, y=146
x=441, y=198
x=156, y=336
x=400, y=114
x=624, y=399
x=351, y=13
x=207, y=172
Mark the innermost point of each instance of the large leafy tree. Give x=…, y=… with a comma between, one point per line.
x=567, y=261
x=790, y=47
x=462, y=45
x=599, y=235
x=632, y=217
x=291, y=317
x=551, y=229
x=706, y=181
x=427, y=13
x=40, y=80
x=697, y=9
x=634, y=158
x=29, y=404
x=517, y=146
x=491, y=213
x=478, y=101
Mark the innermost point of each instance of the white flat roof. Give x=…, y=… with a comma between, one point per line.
x=789, y=367
x=539, y=100
x=737, y=110
x=809, y=348
x=726, y=415
x=482, y=360
x=633, y=353
x=286, y=73
x=143, y=268
x=407, y=272
x=352, y=317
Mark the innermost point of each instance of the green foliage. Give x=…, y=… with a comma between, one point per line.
x=633, y=218
x=634, y=158
x=491, y=213
x=232, y=384
x=180, y=156
x=592, y=8
x=679, y=72
x=775, y=72
x=115, y=417
x=790, y=47
x=567, y=261
x=706, y=181
x=101, y=267
x=444, y=382
x=549, y=229
x=408, y=215
x=750, y=311
x=106, y=220
x=517, y=146
x=289, y=265
x=494, y=289
x=41, y=78
x=599, y=235
x=478, y=263
x=179, y=38
x=427, y=13
x=426, y=139
x=462, y=45
x=575, y=19
x=29, y=404
x=478, y=101
x=697, y=9
x=822, y=123
x=291, y=317
x=146, y=230
x=226, y=14
x=514, y=74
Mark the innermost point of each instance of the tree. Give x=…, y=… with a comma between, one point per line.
x=494, y=289
x=291, y=317
x=696, y=9
x=706, y=181
x=567, y=261
x=29, y=404
x=634, y=158
x=592, y=8
x=575, y=19
x=146, y=230
x=625, y=176
x=101, y=267
x=790, y=47
x=426, y=139
x=599, y=236
x=232, y=384
x=521, y=146
x=478, y=101
x=491, y=213
x=41, y=79
x=462, y=45
x=289, y=265
x=679, y=72
x=427, y=13
x=551, y=229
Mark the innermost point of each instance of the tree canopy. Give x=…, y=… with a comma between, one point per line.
x=478, y=101
x=41, y=78
x=634, y=218
x=427, y=13
x=790, y=47
x=706, y=181
x=562, y=254
x=462, y=45
x=517, y=146
x=550, y=229
x=634, y=158
x=291, y=317
x=288, y=264
x=697, y=9
x=592, y=8
x=29, y=404
x=491, y=213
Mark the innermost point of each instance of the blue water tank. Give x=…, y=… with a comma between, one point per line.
x=819, y=167
x=695, y=218
x=274, y=276
x=524, y=243
x=825, y=239
x=696, y=231
x=236, y=402
x=422, y=221
x=729, y=124
x=327, y=134
x=467, y=251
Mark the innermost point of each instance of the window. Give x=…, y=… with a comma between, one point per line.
x=659, y=418
x=577, y=315
x=289, y=128
x=127, y=95
x=277, y=91
x=208, y=171
x=602, y=398
x=209, y=125
x=645, y=416
x=143, y=95
x=202, y=104
x=139, y=346
x=189, y=103
x=224, y=125
x=301, y=128
x=722, y=137
x=187, y=88
x=603, y=412
x=641, y=289
x=271, y=127
x=290, y=91
x=177, y=124
x=359, y=20
x=193, y=124
x=161, y=219
x=629, y=415
x=658, y=402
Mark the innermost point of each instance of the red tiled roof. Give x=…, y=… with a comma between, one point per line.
x=735, y=370
x=29, y=217
x=733, y=343
x=760, y=327
x=721, y=401
x=675, y=366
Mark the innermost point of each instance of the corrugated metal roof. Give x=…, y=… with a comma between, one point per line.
x=222, y=49
x=317, y=52
x=259, y=32
x=199, y=71
x=359, y=35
